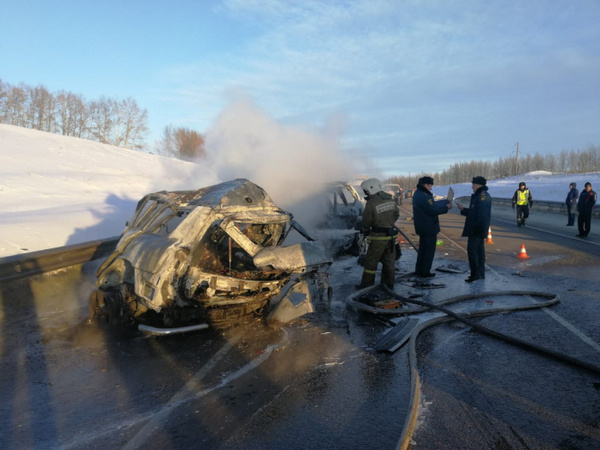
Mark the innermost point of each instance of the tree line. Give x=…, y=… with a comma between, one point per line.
x=116, y=122
x=572, y=161
x=122, y=123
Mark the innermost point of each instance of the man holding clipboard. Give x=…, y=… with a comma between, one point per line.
x=427, y=223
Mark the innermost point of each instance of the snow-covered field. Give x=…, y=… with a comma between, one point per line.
x=58, y=190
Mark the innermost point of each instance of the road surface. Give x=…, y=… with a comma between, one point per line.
x=317, y=383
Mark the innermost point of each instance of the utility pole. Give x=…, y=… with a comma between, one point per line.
x=517, y=161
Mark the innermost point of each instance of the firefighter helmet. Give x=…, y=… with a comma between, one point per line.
x=371, y=186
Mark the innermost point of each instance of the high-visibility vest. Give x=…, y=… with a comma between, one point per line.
x=522, y=197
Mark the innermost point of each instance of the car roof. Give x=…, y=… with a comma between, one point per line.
x=234, y=195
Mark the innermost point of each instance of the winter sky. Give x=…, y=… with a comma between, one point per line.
x=400, y=86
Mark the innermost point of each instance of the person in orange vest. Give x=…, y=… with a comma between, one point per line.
x=523, y=201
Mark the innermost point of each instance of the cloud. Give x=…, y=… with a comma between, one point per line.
x=415, y=76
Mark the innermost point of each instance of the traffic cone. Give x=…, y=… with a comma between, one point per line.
x=523, y=253
x=489, y=238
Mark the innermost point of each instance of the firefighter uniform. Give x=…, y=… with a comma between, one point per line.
x=379, y=217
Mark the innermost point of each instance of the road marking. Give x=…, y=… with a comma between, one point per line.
x=575, y=238
x=552, y=314
x=569, y=326
x=193, y=390
x=188, y=390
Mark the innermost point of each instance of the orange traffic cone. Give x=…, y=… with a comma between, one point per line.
x=489, y=238
x=523, y=253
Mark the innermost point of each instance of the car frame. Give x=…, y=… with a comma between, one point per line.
x=211, y=257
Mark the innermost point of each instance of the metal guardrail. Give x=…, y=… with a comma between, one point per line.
x=25, y=265
x=539, y=205
x=21, y=266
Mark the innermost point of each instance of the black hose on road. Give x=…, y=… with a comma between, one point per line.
x=411, y=419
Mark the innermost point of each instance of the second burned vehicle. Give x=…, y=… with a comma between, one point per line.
x=340, y=224
x=395, y=191
x=213, y=257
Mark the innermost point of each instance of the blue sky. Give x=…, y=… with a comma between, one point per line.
x=407, y=86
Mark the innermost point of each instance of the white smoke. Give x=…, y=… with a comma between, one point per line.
x=290, y=163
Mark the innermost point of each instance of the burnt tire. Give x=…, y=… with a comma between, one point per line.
x=104, y=308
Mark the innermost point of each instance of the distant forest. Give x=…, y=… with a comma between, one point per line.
x=572, y=161
x=116, y=122
x=121, y=123
x=124, y=124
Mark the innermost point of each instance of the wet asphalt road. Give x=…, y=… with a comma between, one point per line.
x=318, y=383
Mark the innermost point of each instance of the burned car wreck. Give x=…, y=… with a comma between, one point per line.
x=211, y=257
x=340, y=225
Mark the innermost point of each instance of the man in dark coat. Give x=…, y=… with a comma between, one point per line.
x=585, y=205
x=379, y=217
x=477, y=223
x=427, y=224
x=571, y=202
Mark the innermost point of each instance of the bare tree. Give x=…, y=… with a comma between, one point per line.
x=131, y=124
x=4, y=89
x=14, y=105
x=102, y=119
x=182, y=143
x=40, y=110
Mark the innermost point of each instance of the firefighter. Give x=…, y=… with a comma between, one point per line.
x=379, y=217
x=523, y=201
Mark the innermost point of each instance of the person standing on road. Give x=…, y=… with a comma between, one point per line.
x=426, y=220
x=479, y=214
x=379, y=217
x=522, y=198
x=571, y=202
x=585, y=205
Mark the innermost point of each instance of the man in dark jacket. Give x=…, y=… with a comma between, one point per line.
x=379, y=217
x=585, y=205
x=427, y=224
x=523, y=200
x=571, y=202
x=477, y=223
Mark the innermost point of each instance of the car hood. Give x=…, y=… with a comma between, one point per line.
x=293, y=258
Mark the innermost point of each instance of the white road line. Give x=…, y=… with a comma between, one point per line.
x=569, y=326
x=188, y=390
x=192, y=390
x=565, y=323
x=575, y=238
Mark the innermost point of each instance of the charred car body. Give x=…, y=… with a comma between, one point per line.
x=213, y=257
x=395, y=191
x=340, y=226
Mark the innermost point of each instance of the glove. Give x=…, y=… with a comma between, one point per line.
x=398, y=251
